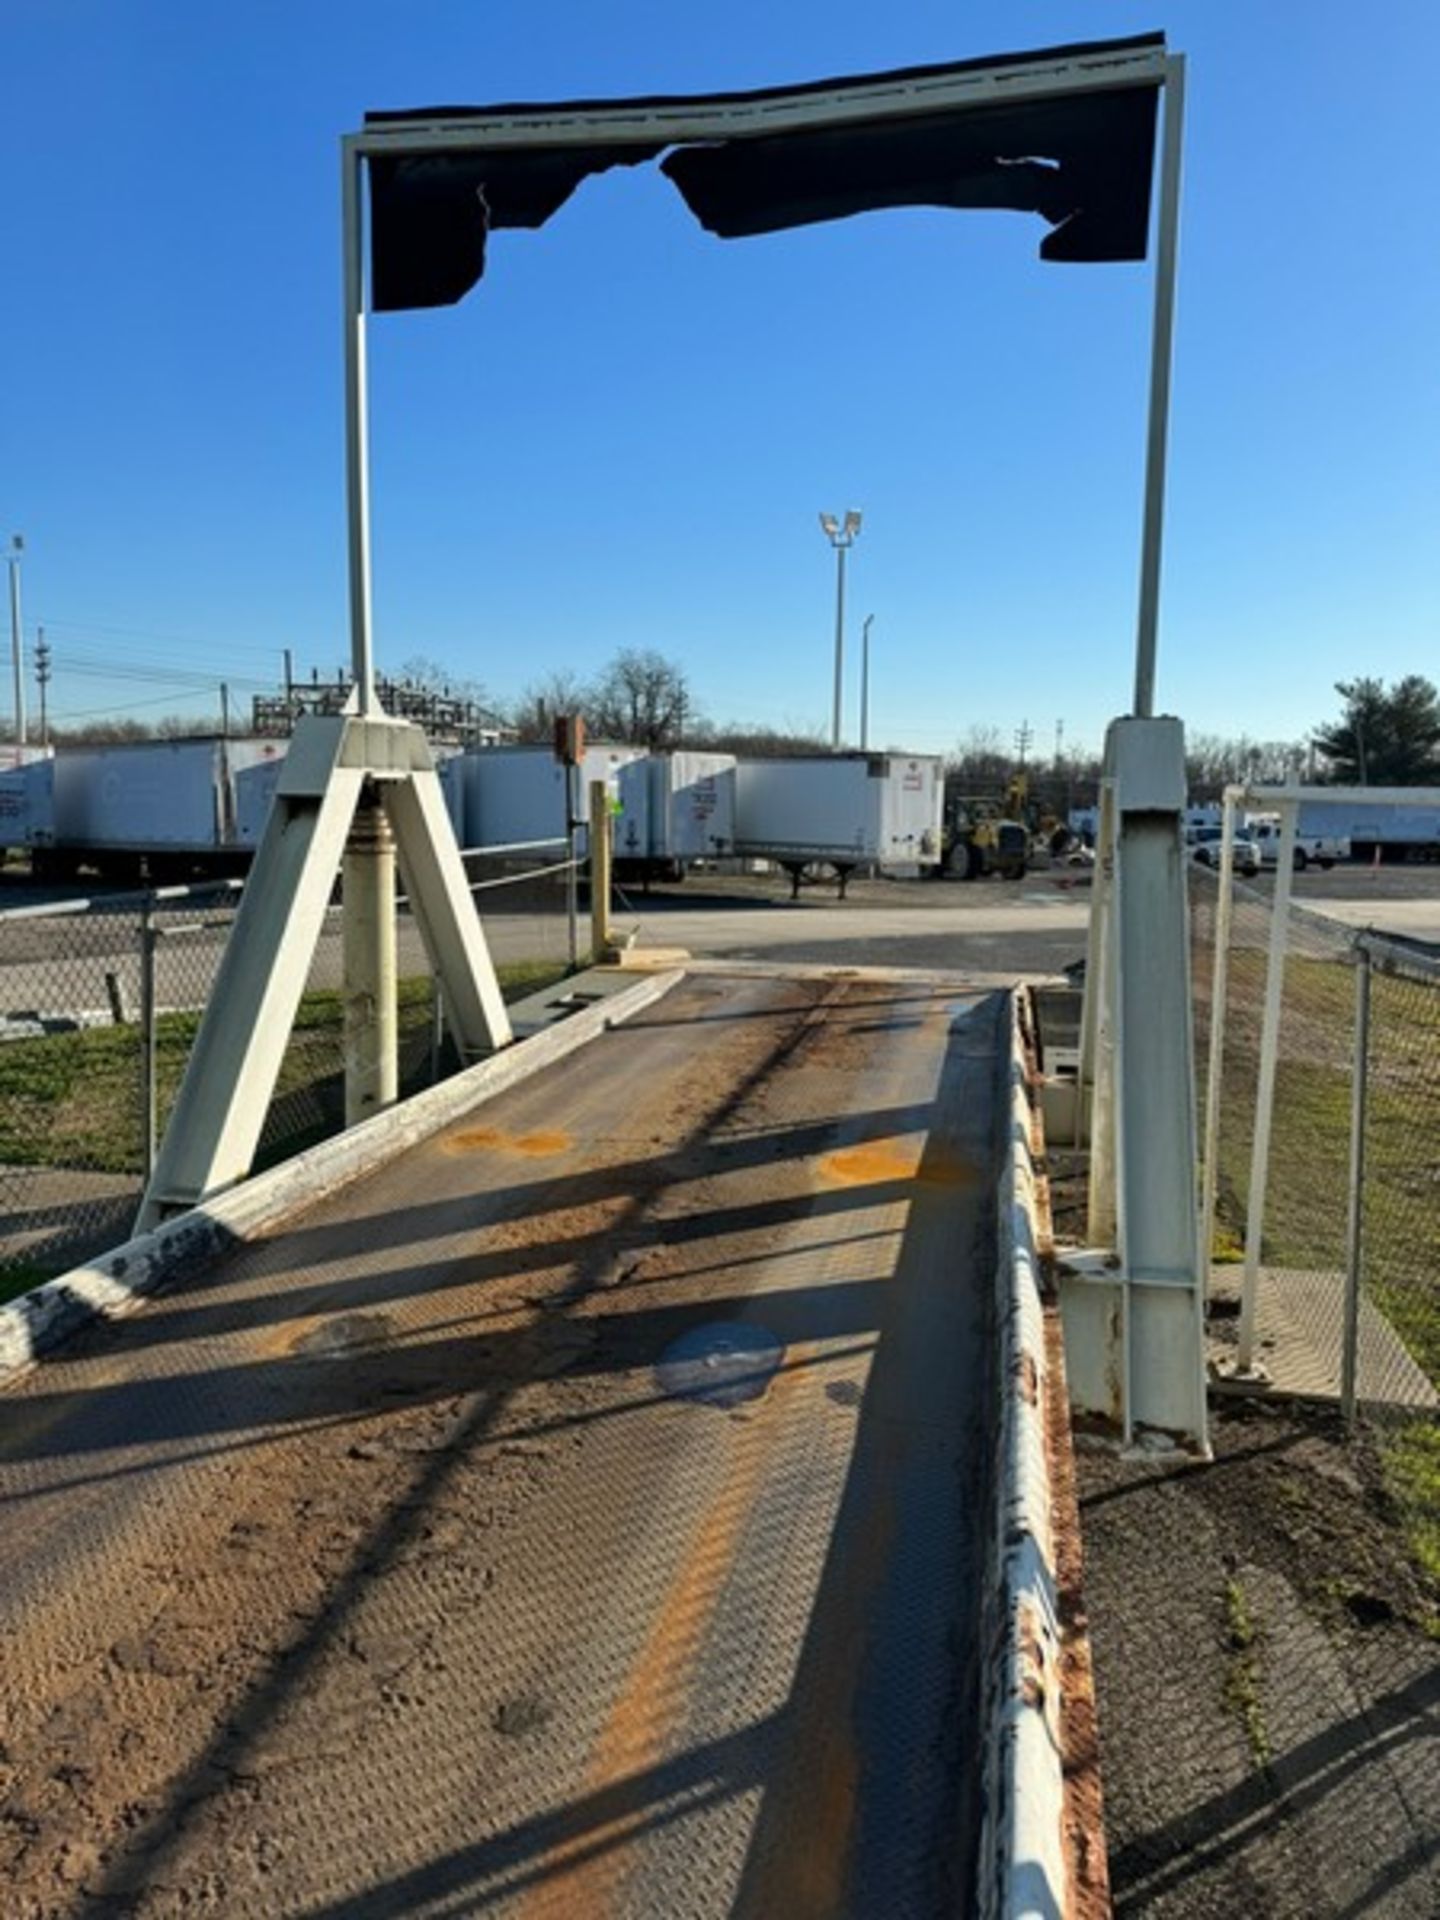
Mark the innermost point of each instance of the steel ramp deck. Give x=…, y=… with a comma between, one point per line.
x=581, y=1515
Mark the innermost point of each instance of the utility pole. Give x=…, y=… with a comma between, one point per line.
x=842, y=536
x=865, y=683
x=17, y=645
x=224, y=711
x=1023, y=737
x=42, y=680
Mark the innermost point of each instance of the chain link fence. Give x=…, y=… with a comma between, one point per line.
x=100, y=1001
x=1346, y=1300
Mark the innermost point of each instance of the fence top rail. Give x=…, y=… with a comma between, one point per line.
x=1399, y=953
x=136, y=899
x=132, y=902
x=516, y=846
x=1352, y=796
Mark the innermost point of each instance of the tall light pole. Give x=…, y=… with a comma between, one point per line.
x=842, y=535
x=865, y=683
x=17, y=649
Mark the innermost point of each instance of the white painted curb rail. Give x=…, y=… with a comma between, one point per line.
x=1022, y=1867
x=46, y=1316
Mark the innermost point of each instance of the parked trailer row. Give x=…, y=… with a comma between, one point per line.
x=171, y=809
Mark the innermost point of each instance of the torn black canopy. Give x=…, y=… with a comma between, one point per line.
x=1081, y=159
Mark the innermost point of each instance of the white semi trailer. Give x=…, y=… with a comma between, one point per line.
x=162, y=809
x=512, y=796
x=674, y=809
x=882, y=810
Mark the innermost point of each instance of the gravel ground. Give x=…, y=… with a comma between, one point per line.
x=1268, y=1672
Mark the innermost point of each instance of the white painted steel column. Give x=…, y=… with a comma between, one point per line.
x=1162, y=1324
x=1162, y=336
x=1214, y=1066
x=372, y=1074
x=1289, y=810
x=357, y=469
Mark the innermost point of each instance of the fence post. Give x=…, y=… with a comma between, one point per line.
x=572, y=878
x=437, y=1026
x=148, y=1035
x=1359, y=1086
x=1214, y=1066
x=1265, y=1090
x=600, y=868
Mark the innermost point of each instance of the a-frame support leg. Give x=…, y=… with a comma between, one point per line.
x=215, y=1127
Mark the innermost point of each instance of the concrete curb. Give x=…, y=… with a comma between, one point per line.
x=41, y=1320
x=1023, y=1874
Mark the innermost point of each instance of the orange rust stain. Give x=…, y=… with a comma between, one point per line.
x=871, y=1164
x=532, y=1146
x=540, y=1145
x=876, y=1162
x=586, y=1874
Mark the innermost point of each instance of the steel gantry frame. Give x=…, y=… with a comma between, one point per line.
x=1145, y=1334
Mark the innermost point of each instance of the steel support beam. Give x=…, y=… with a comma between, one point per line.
x=1134, y=1312
x=215, y=1127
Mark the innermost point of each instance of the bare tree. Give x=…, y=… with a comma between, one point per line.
x=421, y=671
x=533, y=715
x=643, y=700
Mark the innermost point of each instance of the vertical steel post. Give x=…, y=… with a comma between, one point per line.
x=1097, y=1029
x=149, y=1037
x=372, y=1077
x=1354, y=1226
x=357, y=471
x=1162, y=335
x=600, y=868
x=1265, y=1090
x=1215, y=1064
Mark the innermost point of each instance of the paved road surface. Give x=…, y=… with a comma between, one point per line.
x=580, y=1517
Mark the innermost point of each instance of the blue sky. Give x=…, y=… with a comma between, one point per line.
x=624, y=436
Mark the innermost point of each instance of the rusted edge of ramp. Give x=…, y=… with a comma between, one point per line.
x=44, y=1318
x=1042, y=1853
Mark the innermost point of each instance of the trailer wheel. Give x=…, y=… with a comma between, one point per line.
x=1302, y=859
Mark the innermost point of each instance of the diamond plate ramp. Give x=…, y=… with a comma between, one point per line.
x=582, y=1515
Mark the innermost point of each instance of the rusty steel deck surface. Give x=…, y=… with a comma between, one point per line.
x=582, y=1515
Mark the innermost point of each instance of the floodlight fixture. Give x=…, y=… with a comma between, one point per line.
x=830, y=524
x=852, y=522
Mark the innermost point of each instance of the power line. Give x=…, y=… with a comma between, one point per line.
x=69, y=714
x=164, y=639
